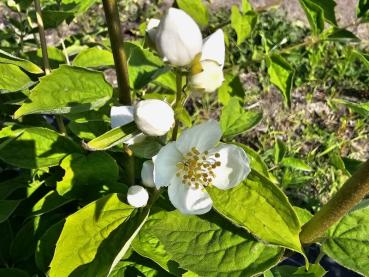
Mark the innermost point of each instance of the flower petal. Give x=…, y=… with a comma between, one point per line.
x=137, y=196
x=152, y=28
x=234, y=168
x=121, y=115
x=203, y=137
x=188, y=199
x=165, y=164
x=213, y=48
x=210, y=79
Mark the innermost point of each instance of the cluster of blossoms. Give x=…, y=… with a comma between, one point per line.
x=197, y=159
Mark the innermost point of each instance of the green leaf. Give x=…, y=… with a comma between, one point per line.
x=55, y=55
x=327, y=7
x=303, y=215
x=147, y=148
x=9, y=186
x=13, y=272
x=13, y=79
x=342, y=35
x=261, y=208
x=281, y=75
x=212, y=247
x=84, y=233
x=243, y=24
x=7, y=207
x=94, y=57
x=26, y=65
x=315, y=270
x=143, y=65
x=35, y=147
x=129, y=268
x=67, y=90
x=86, y=175
x=196, y=9
x=295, y=164
x=113, y=137
x=314, y=14
x=231, y=87
x=246, y=6
x=280, y=150
x=234, y=120
x=360, y=108
x=347, y=241
x=148, y=245
x=362, y=9
x=48, y=203
x=364, y=58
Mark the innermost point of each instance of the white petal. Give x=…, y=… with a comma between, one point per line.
x=178, y=38
x=165, y=164
x=234, y=166
x=154, y=117
x=147, y=174
x=136, y=139
x=121, y=115
x=189, y=200
x=210, y=79
x=137, y=196
x=152, y=28
x=213, y=48
x=203, y=137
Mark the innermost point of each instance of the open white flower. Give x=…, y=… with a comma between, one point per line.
x=197, y=160
x=212, y=61
x=178, y=38
x=137, y=196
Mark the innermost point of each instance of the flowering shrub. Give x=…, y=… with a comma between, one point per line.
x=135, y=179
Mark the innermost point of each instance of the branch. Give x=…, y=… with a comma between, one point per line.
x=116, y=41
x=352, y=192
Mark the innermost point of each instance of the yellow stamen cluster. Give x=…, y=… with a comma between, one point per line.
x=197, y=168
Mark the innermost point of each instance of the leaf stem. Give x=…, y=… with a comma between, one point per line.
x=45, y=57
x=116, y=41
x=351, y=193
x=178, y=101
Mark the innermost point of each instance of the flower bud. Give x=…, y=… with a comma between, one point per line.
x=147, y=174
x=178, y=37
x=210, y=79
x=137, y=196
x=154, y=117
x=121, y=115
x=152, y=28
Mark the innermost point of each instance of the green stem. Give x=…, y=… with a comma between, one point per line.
x=177, y=104
x=352, y=192
x=45, y=57
x=116, y=41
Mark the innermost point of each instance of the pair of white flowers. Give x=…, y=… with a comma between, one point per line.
x=179, y=41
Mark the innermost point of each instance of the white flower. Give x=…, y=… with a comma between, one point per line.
x=152, y=28
x=147, y=174
x=178, y=38
x=212, y=62
x=197, y=160
x=137, y=196
x=210, y=79
x=154, y=117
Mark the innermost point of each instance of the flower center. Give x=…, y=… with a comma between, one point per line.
x=197, y=168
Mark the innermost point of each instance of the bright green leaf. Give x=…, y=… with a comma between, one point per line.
x=129, y=268
x=303, y=215
x=314, y=14
x=35, y=147
x=12, y=78
x=94, y=57
x=261, y=208
x=243, y=24
x=26, y=65
x=234, y=120
x=67, y=90
x=84, y=233
x=360, y=108
x=347, y=241
x=281, y=75
x=295, y=164
x=231, y=87
x=196, y=9
x=213, y=248
x=315, y=270
x=246, y=6
x=280, y=150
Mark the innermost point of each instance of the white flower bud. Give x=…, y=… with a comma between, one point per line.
x=154, y=117
x=121, y=115
x=210, y=79
x=137, y=196
x=147, y=174
x=213, y=48
x=178, y=37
